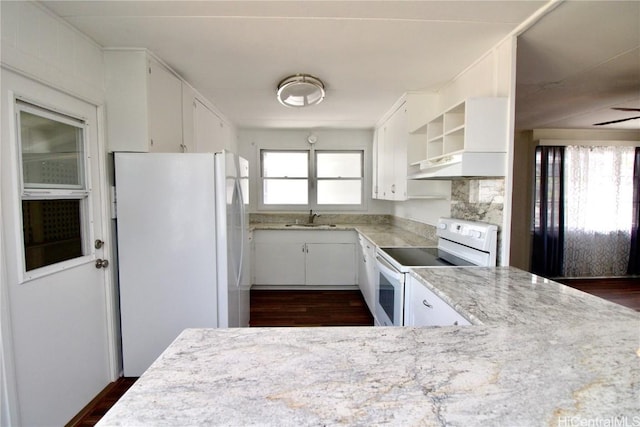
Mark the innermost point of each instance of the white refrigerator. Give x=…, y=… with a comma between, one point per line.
x=182, y=227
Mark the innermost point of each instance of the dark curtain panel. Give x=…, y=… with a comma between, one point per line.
x=634, y=253
x=548, y=217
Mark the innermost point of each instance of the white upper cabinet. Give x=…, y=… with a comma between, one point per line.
x=211, y=134
x=390, y=169
x=476, y=125
x=393, y=149
x=469, y=139
x=143, y=103
x=204, y=131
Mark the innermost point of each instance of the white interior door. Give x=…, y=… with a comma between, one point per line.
x=56, y=341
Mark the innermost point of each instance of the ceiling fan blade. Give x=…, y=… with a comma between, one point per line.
x=616, y=121
x=625, y=109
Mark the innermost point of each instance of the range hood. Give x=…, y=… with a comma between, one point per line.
x=461, y=165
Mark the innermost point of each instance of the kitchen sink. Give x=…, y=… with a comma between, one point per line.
x=310, y=225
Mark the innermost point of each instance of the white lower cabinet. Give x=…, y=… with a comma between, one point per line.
x=278, y=263
x=367, y=272
x=330, y=264
x=424, y=308
x=304, y=258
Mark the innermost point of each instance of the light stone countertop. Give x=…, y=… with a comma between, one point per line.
x=538, y=354
x=379, y=234
x=522, y=375
x=510, y=296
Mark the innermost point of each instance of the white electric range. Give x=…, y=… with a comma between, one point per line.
x=460, y=243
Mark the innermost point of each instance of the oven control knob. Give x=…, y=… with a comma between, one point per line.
x=475, y=234
x=442, y=226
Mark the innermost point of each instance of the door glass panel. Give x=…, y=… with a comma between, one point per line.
x=339, y=192
x=52, y=152
x=52, y=231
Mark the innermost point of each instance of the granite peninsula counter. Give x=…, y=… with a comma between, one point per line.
x=538, y=354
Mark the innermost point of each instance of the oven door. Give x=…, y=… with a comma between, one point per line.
x=389, y=294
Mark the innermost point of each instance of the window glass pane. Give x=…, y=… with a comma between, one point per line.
x=285, y=191
x=280, y=164
x=52, y=231
x=339, y=192
x=51, y=152
x=333, y=165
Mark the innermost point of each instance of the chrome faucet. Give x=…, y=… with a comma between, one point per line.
x=312, y=216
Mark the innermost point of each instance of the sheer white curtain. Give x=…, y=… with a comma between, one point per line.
x=598, y=207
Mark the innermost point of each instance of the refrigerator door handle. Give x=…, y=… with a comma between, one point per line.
x=242, y=223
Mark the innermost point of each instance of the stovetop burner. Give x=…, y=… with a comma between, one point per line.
x=423, y=257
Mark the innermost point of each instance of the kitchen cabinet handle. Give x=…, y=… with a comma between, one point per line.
x=426, y=303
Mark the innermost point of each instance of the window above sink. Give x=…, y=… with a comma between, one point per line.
x=316, y=179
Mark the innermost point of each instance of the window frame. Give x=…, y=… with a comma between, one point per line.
x=80, y=192
x=317, y=179
x=313, y=179
x=262, y=178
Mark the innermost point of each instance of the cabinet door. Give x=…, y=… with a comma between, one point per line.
x=386, y=164
x=372, y=278
x=366, y=272
x=375, y=165
x=362, y=272
x=379, y=172
x=126, y=77
x=165, y=109
x=331, y=264
x=398, y=136
x=209, y=131
x=424, y=308
x=279, y=263
x=391, y=157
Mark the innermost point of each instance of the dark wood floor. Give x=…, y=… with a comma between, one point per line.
x=623, y=291
x=309, y=308
x=99, y=406
x=337, y=308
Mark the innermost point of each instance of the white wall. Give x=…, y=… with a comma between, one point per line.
x=491, y=75
x=43, y=48
x=523, y=157
x=47, y=49
x=251, y=141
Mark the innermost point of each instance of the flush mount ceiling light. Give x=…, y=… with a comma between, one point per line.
x=300, y=90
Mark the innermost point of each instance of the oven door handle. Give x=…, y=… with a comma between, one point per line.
x=384, y=265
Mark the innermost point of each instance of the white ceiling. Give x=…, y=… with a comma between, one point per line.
x=576, y=63
x=368, y=53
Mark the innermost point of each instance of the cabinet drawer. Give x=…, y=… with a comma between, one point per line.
x=425, y=308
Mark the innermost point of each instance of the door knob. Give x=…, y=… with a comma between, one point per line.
x=102, y=263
